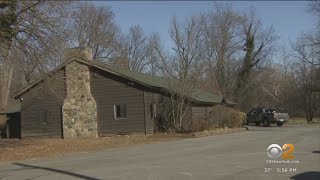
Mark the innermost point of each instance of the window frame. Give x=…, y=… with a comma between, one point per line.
x=153, y=110
x=115, y=111
x=44, y=117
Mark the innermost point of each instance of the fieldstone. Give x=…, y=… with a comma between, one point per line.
x=79, y=116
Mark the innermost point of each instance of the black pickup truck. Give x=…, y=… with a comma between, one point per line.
x=266, y=116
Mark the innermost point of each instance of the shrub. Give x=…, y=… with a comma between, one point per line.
x=200, y=125
x=221, y=116
x=164, y=124
x=164, y=119
x=218, y=117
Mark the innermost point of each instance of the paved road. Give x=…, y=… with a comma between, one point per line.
x=232, y=156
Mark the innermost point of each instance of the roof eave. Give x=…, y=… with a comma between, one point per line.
x=21, y=92
x=93, y=64
x=90, y=63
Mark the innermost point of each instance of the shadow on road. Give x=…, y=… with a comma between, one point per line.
x=311, y=175
x=317, y=152
x=58, y=171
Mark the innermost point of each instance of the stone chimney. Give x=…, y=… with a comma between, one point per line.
x=78, y=52
x=79, y=107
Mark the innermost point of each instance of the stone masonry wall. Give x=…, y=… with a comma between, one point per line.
x=79, y=109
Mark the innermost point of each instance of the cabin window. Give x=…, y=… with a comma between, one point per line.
x=120, y=111
x=153, y=109
x=43, y=117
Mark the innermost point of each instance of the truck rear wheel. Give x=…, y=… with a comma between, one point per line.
x=279, y=124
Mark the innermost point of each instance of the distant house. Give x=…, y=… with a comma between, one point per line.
x=84, y=98
x=10, y=122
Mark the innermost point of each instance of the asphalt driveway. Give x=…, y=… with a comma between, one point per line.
x=231, y=156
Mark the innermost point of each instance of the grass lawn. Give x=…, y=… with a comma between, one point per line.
x=301, y=121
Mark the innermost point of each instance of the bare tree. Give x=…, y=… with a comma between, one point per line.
x=307, y=75
x=183, y=66
x=304, y=84
x=135, y=50
x=312, y=38
x=314, y=8
x=307, y=43
x=27, y=27
x=6, y=74
x=154, y=60
x=222, y=41
x=259, y=43
x=95, y=27
x=32, y=24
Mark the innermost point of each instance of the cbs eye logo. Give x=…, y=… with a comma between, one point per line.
x=275, y=151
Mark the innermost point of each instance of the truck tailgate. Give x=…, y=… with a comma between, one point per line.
x=281, y=115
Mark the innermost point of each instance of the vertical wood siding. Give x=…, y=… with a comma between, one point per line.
x=47, y=96
x=199, y=113
x=109, y=90
x=151, y=98
x=196, y=116
x=162, y=101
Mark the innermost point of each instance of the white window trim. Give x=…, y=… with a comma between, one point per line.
x=115, y=112
x=154, y=110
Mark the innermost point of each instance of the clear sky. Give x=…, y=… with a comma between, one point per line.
x=289, y=18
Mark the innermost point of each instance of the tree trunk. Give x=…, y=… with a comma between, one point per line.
x=6, y=81
x=246, y=68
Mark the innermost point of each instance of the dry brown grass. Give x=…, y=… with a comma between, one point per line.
x=15, y=149
x=302, y=121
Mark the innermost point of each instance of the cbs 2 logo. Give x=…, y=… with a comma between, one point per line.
x=275, y=151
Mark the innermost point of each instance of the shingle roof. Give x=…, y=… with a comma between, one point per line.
x=165, y=83
x=199, y=96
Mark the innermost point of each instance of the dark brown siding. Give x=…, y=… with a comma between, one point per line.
x=163, y=103
x=193, y=117
x=199, y=113
x=196, y=116
x=187, y=119
x=109, y=90
x=47, y=97
x=151, y=98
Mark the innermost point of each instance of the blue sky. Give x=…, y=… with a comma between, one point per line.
x=289, y=18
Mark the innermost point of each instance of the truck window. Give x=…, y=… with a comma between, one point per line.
x=259, y=110
x=270, y=110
